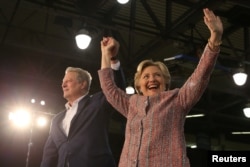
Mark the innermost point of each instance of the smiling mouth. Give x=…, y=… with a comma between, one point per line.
x=153, y=87
x=65, y=90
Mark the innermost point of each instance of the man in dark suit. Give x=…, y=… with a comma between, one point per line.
x=78, y=136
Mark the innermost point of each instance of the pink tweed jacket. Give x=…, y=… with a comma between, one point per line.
x=154, y=134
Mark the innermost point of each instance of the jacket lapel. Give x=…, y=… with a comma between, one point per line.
x=58, y=128
x=81, y=105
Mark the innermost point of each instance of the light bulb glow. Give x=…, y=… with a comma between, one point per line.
x=33, y=101
x=130, y=90
x=122, y=1
x=240, y=78
x=246, y=112
x=42, y=103
x=20, y=118
x=83, y=41
x=41, y=121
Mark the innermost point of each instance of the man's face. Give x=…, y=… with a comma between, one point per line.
x=72, y=88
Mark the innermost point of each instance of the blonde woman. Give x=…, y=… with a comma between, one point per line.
x=156, y=115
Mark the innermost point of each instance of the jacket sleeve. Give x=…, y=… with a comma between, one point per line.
x=196, y=84
x=115, y=96
x=120, y=81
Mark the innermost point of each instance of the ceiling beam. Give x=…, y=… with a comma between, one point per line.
x=193, y=15
x=153, y=17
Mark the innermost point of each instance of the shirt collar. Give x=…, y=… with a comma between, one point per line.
x=68, y=106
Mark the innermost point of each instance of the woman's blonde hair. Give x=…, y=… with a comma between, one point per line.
x=147, y=63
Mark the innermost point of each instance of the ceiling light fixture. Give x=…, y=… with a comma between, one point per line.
x=246, y=110
x=122, y=1
x=240, y=133
x=130, y=90
x=195, y=115
x=240, y=77
x=83, y=39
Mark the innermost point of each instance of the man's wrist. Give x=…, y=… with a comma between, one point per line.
x=113, y=58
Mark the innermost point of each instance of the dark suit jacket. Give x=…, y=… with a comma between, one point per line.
x=87, y=144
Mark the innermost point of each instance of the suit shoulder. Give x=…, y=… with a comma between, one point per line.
x=97, y=95
x=58, y=115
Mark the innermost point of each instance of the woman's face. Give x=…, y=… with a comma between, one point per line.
x=151, y=81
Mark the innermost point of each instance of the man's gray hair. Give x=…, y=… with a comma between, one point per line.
x=82, y=75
